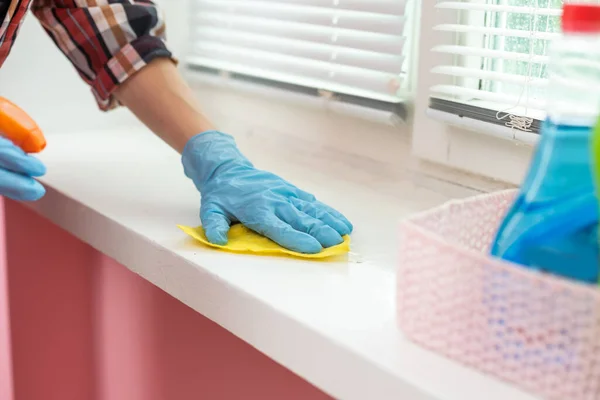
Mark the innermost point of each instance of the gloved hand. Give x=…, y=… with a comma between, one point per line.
x=234, y=191
x=16, y=171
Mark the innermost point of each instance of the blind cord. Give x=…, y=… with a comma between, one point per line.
x=516, y=122
x=522, y=122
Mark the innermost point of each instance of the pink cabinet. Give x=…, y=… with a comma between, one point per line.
x=76, y=325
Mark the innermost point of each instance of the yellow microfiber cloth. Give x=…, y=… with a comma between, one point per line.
x=244, y=240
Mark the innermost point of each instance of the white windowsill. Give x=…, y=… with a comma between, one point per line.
x=332, y=324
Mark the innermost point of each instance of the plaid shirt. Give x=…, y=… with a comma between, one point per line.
x=106, y=40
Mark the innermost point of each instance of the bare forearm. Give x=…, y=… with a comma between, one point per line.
x=162, y=100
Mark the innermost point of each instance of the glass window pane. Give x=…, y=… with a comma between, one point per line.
x=523, y=22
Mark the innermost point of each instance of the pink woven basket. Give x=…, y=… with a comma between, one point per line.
x=538, y=331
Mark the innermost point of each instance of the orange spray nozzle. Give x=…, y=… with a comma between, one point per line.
x=20, y=128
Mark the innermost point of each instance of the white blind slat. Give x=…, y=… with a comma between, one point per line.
x=341, y=74
x=319, y=52
x=382, y=43
x=483, y=52
x=495, y=51
x=489, y=75
x=394, y=7
x=469, y=6
x=483, y=30
x=356, y=47
x=343, y=19
x=334, y=79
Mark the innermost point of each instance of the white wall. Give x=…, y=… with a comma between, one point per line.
x=39, y=78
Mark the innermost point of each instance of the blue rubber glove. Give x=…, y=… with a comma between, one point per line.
x=16, y=171
x=234, y=191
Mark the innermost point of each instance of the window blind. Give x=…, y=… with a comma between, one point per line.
x=494, y=57
x=352, y=47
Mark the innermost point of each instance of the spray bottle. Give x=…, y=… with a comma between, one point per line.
x=20, y=128
x=553, y=224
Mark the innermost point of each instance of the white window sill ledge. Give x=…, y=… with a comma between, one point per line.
x=333, y=324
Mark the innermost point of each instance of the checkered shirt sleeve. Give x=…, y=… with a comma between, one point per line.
x=107, y=41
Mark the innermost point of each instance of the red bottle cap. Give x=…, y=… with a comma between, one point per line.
x=581, y=18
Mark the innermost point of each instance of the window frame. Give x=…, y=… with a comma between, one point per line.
x=483, y=149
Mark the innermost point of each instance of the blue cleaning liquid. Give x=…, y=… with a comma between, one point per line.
x=553, y=224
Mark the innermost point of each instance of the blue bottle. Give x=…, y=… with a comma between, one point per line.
x=553, y=224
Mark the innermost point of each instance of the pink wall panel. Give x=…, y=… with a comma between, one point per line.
x=6, y=386
x=50, y=285
x=126, y=348
x=86, y=328
x=156, y=348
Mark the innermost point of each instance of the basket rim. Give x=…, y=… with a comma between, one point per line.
x=555, y=281
x=471, y=199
